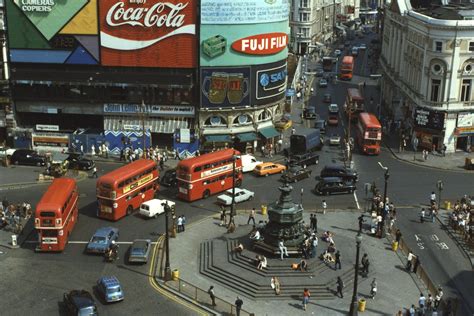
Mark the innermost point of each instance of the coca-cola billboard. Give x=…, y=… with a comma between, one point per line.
x=148, y=33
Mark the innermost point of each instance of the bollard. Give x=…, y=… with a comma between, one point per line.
x=14, y=241
x=264, y=209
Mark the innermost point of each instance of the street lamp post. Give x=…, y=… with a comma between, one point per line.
x=142, y=112
x=167, y=244
x=386, y=176
x=353, y=309
x=232, y=205
x=302, y=191
x=440, y=188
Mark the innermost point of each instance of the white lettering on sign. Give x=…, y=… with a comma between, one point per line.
x=263, y=43
x=147, y=17
x=216, y=170
x=36, y=5
x=49, y=128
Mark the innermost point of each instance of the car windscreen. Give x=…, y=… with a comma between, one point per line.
x=87, y=311
x=113, y=289
x=98, y=240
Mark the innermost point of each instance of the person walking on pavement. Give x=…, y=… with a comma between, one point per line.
x=417, y=264
x=275, y=284
x=337, y=262
x=410, y=258
x=433, y=198
x=313, y=221
x=438, y=298
x=283, y=249
x=251, y=217
x=183, y=223
x=238, y=305
x=94, y=172
x=398, y=236
x=365, y=265
x=162, y=164
x=179, y=222
x=340, y=286
x=212, y=295
x=314, y=246
x=306, y=296
x=422, y=215
x=412, y=310
x=361, y=222
x=421, y=303
x=325, y=206
x=373, y=288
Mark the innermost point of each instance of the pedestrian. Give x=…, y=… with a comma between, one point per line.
x=421, y=303
x=162, y=164
x=275, y=284
x=444, y=150
x=314, y=246
x=438, y=298
x=433, y=198
x=94, y=172
x=93, y=150
x=313, y=222
x=409, y=258
x=429, y=302
x=212, y=295
x=222, y=218
x=373, y=288
x=340, y=286
x=183, y=223
x=238, y=305
x=398, y=236
x=361, y=222
x=293, y=131
x=412, y=310
x=82, y=149
x=251, y=217
x=325, y=206
x=306, y=296
x=422, y=215
x=365, y=265
x=338, y=260
x=417, y=264
x=283, y=249
x=179, y=222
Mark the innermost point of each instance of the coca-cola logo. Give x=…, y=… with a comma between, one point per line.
x=156, y=15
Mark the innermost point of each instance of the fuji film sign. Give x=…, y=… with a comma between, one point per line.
x=261, y=44
x=148, y=33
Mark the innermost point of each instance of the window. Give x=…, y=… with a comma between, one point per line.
x=471, y=46
x=438, y=46
x=466, y=90
x=435, y=90
x=304, y=3
x=304, y=17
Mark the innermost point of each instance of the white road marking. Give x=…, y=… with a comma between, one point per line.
x=417, y=238
x=356, y=200
x=80, y=242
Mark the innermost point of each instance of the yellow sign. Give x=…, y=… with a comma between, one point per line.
x=143, y=180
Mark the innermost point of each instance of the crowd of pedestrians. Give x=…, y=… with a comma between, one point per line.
x=12, y=216
x=461, y=218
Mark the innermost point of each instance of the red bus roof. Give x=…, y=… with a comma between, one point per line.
x=369, y=120
x=354, y=93
x=56, y=195
x=124, y=172
x=209, y=157
x=347, y=60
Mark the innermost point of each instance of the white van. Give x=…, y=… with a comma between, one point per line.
x=249, y=162
x=154, y=207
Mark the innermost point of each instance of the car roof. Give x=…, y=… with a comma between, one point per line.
x=263, y=164
x=81, y=298
x=237, y=190
x=103, y=231
x=155, y=202
x=109, y=281
x=334, y=166
x=140, y=243
x=332, y=179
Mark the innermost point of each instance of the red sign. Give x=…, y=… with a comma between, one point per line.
x=261, y=44
x=148, y=33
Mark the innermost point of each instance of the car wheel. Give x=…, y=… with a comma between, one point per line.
x=38, y=164
x=317, y=162
x=304, y=166
x=326, y=192
x=282, y=170
x=206, y=194
x=250, y=198
x=129, y=210
x=266, y=174
x=16, y=162
x=351, y=191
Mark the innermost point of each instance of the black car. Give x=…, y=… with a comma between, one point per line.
x=169, y=178
x=327, y=98
x=303, y=160
x=332, y=185
x=339, y=171
x=80, y=162
x=321, y=125
x=27, y=157
x=309, y=113
x=319, y=72
x=296, y=173
x=79, y=302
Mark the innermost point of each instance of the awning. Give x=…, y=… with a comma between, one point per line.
x=247, y=137
x=269, y=132
x=218, y=138
x=155, y=125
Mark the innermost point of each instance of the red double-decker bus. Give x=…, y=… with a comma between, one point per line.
x=369, y=134
x=56, y=215
x=346, y=68
x=202, y=176
x=121, y=191
x=354, y=103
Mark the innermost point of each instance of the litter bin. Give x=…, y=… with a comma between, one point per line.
x=264, y=210
x=362, y=305
x=447, y=205
x=175, y=275
x=394, y=245
x=14, y=241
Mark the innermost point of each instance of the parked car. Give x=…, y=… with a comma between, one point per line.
x=336, y=170
x=295, y=174
x=27, y=157
x=6, y=152
x=249, y=162
x=333, y=119
x=139, y=251
x=333, y=108
x=354, y=51
x=334, y=185
x=80, y=162
x=169, y=178
x=303, y=160
x=310, y=113
x=323, y=83
x=101, y=241
x=327, y=98
x=284, y=124
x=154, y=207
x=268, y=168
x=109, y=289
x=335, y=140
x=79, y=302
x=321, y=125
x=241, y=195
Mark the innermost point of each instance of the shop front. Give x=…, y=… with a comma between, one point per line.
x=429, y=127
x=464, y=132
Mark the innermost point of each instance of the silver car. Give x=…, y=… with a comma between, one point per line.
x=139, y=251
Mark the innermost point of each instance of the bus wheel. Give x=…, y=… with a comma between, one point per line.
x=129, y=210
x=206, y=194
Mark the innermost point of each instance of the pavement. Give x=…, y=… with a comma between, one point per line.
x=396, y=288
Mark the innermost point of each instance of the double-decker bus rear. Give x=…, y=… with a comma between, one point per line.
x=369, y=134
x=123, y=190
x=211, y=173
x=56, y=215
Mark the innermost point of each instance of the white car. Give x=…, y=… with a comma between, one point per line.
x=154, y=207
x=6, y=152
x=333, y=108
x=249, y=163
x=241, y=195
x=323, y=83
x=334, y=140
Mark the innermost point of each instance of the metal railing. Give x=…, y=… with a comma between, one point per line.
x=201, y=296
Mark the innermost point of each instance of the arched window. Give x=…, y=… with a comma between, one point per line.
x=264, y=115
x=242, y=119
x=215, y=120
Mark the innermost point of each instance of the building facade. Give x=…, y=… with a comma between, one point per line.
x=427, y=63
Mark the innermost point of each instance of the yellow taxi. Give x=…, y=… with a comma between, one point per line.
x=268, y=168
x=283, y=124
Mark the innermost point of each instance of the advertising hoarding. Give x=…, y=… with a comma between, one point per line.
x=149, y=33
x=269, y=82
x=153, y=109
x=225, y=87
x=429, y=119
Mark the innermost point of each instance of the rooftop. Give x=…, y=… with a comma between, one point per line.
x=444, y=10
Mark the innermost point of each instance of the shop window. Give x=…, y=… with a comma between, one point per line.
x=438, y=46
x=471, y=46
x=466, y=90
x=435, y=90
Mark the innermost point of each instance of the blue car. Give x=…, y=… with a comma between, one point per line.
x=101, y=241
x=109, y=289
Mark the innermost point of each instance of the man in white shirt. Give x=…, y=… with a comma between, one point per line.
x=283, y=249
